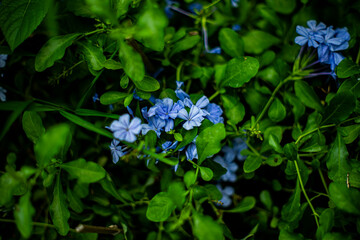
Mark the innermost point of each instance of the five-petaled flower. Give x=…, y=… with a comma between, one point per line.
x=124, y=129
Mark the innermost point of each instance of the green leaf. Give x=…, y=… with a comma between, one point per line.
x=112, y=64
x=32, y=125
x=347, y=68
x=206, y=173
x=346, y=199
x=239, y=71
x=188, y=137
x=87, y=172
x=85, y=124
x=257, y=41
x=287, y=235
x=351, y=84
x=291, y=211
x=205, y=228
x=94, y=113
x=326, y=223
x=337, y=236
x=337, y=160
x=234, y=109
x=128, y=100
x=93, y=55
x=51, y=143
x=298, y=108
x=350, y=133
x=277, y=111
x=185, y=44
x=18, y=108
x=252, y=163
x=177, y=193
x=265, y=198
x=132, y=62
x=307, y=95
x=23, y=213
x=189, y=178
x=150, y=27
x=208, y=141
x=340, y=108
x=54, y=49
x=74, y=201
x=112, y=97
x=282, y=6
x=18, y=19
x=231, y=42
x=245, y=205
x=275, y=144
x=148, y=84
x=160, y=207
x=108, y=185
x=58, y=210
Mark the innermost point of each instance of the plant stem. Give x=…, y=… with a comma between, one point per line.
x=39, y=224
x=212, y=4
x=314, y=130
x=161, y=227
x=271, y=99
x=305, y=194
x=358, y=57
x=214, y=95
x=323, y=181
x=178, y=71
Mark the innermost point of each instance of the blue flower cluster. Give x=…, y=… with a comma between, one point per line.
x=3, y=58
x=326, y=40
x=227, y=161
x=2, y=94
x=161, y=117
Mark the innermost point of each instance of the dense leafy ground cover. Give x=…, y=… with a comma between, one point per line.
x=144, y=119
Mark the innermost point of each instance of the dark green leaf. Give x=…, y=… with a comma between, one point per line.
x=94, y=113
x=32, y=125
x=74, y=201
x=340, y=108
x=185, y=44
x=245, y=205
x=205, y=228
x=18, y=19
x=112, y=64
x=277, y=111
x=307, y=95
x=208, y=141
x=93, y=55
x=177, y=193
x=282, y=6
x=350, y=133
x=265, y=198
x=188, y=137
x=148, y=84
x=160, y=207
x=51, y=143
x=231, y=42
x=346, y=199
x=291, y=211
x=112, y=97
x=347, y=68
x=234, y=109
x=108, y=185
x=287, y=235
x=275, y=144
x=206, y=173
x=351, y=84
x=257, y=41
x=87, y=172
x=252, y=163
x=298, y=108
x=189, y=178
x=239, y=71
x=132, y=62
x=23, y=213
x=58, y=209
x=326, y=223
x=54, y=49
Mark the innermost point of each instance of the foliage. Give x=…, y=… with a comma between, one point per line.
x=161, y=119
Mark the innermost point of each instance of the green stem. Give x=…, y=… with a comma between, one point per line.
x=254, y=150
x=214, y=95
x=358, y=57
x=39, y=224
x=323, y=181
x=305, y=194
x=178, y=71
x=212, y=4
x=312, y=131
x=161, y=228
x=271, y=99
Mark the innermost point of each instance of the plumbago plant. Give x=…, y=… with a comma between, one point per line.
x=145, y=119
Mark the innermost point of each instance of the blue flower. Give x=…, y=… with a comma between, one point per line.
x=236, y=27
x=125, y=130
x=179, y=92
x=239, y=145
x=201, y=103
x=226, y=192
x=3, y=58
x=2, y=94
x=117, y=151
x=230, y=166
x=96, y=97
x=308, y=36
x=215, y=50
x=191, y=151
x=167, y=111
x=168, y=145
x=215, y=113
x=235, y=3
x=168, y=10
x=195, y=7
x=155, y=124
x=193, y=118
